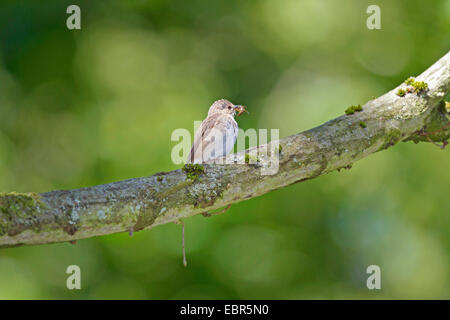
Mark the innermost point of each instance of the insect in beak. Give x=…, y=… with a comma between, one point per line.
x=240, y=109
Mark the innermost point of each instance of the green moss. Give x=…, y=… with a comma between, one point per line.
x=362, y=124
x=417, y=85
x=391, y=139
x=20, y=211
x=280, y=148
x=193, y=171
x=205, y=194
x=420, y=85
x=159, y=179
x=401, y=92
x=353, y=109
x=409, y=81
x=251, y=157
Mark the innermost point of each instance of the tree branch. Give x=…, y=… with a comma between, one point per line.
x=142, y=203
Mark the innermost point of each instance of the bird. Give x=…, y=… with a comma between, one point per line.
x=217, y=134
x=214, y=138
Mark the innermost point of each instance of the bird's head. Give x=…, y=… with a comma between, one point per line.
x=226, y=107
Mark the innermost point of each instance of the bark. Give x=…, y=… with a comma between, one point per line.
x=143, y=203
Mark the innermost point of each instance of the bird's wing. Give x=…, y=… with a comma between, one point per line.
x=204, y=147
x=204, y=129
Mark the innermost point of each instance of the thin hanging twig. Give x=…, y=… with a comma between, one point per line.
x=182, y=241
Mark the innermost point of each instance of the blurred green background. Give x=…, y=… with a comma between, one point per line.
x=96, y=105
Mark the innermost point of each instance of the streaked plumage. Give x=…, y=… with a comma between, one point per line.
x=217, y=134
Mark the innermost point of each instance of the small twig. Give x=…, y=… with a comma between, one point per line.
x=444, y=144
x=427, y=134
x=184, y=250
x=207, y=214
x=182, y=241
x=423, y=133
x=130, y=232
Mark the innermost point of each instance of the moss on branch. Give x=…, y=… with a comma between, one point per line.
x=142, y=203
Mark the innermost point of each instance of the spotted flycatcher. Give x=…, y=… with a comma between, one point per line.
x=214, y=138
x=217, y=134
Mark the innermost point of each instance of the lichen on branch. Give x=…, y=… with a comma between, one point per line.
x=142, y=203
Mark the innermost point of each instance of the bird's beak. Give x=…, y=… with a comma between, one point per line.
x=240, y=109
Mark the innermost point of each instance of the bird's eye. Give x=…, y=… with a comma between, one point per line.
x=229, y=107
